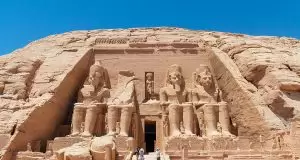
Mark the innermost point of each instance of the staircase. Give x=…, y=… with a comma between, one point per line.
x=150, y=156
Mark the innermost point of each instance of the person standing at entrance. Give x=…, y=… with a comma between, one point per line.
x=137, y=152
x=157, y=154
x=141, y=154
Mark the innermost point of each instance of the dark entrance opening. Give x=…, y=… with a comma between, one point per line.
x=150, y=136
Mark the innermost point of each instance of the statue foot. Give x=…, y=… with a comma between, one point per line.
x=112, y=133
x=75, y=134
x=227, y=134
x=176, y=133
x=190, y=133
x=123, y=134
x=214, y=133
x=86, y=134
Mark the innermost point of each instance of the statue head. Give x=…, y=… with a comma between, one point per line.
x=98, y=76
x=203, y=76
x=175, y=78
x=149, y=76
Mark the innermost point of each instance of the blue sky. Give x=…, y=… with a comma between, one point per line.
x=23, y=21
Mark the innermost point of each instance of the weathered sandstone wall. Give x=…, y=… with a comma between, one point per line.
x=247, y=107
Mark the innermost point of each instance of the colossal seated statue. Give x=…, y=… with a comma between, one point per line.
x=121, y=104
x=93, y=96
x=209, y=106
x=174, y=97
x=118, y=119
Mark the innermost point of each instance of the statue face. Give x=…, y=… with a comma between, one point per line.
x=175, y=78
x=96, y=79
x=204, y=79
x=149, y=76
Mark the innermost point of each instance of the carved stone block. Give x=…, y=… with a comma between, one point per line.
x=63, y=142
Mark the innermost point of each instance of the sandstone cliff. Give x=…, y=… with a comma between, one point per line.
x=259, y=75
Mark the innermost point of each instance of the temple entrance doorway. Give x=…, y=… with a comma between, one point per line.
x=150, y=135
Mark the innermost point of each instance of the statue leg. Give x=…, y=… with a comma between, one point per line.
x=108, y=153
x=174, y=120
x=200, y=118
x=90, y=120
x=224, y=118
x=77, y=118
x=100, y=124
x=188, y=118
x=165, y=123
x=126, y=114
x=210, y=120
x=112, y=113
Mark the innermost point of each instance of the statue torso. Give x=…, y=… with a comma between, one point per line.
x=89, y=95
x=175, y=97
x=205, y=96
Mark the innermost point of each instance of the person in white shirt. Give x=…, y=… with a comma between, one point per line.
x=157, y=154
x=141, y=154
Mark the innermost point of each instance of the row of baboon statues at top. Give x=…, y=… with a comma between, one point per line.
x=178, y=105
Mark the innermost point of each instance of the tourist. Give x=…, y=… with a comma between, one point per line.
x=141, y=154
x=137, y=152
x=157, y=154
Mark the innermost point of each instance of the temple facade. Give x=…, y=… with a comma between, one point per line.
x=165, y=96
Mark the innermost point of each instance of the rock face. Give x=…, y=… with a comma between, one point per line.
x=259, y=77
